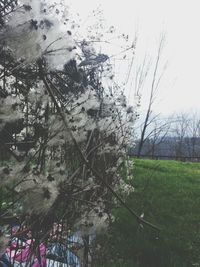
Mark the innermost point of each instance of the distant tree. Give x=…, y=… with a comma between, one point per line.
x=180, y=132
x=160, y=130
x=193, y=140
x=186, y=133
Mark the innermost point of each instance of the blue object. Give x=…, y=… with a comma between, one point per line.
x=4, y=261
x=58, y=254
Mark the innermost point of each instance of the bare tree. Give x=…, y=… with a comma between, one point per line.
x=160, y=130
x=192, y=141
x=155, y=80
x=186, y=131
x=180, y=133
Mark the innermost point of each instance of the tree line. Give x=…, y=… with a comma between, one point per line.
x=177, y=137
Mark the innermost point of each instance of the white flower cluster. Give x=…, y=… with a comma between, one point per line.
x=9, y=110
x=125, y=188
x=91, y=116
x=93, y=222
x=33, y=32
x=4, y=241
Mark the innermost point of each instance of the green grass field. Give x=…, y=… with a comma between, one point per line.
x=168, y=193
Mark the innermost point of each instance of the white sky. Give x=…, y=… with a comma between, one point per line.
x=180, y=19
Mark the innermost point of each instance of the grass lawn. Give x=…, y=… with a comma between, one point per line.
x=168, y=193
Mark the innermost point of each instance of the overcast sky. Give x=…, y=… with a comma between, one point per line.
x=180, y=19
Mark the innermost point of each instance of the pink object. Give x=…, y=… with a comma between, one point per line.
x=22, y=254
